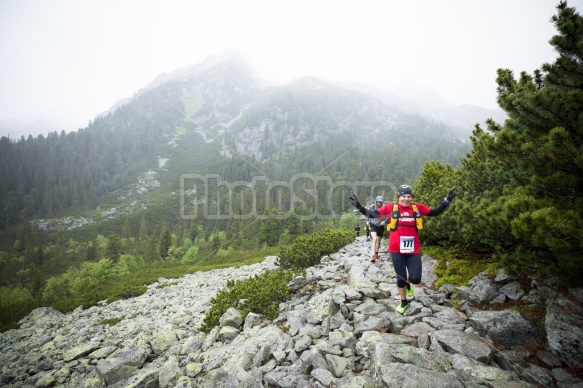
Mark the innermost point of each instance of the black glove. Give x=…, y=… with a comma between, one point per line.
x=447, y=200
x=355, y=202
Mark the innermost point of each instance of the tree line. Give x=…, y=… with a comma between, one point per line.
x=43, y=176
x=520, y=189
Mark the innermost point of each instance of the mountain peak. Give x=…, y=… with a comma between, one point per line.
x=227, y=59
x=310, y=82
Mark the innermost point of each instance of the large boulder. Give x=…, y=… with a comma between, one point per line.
x=564, y=326
x=467, y=344
x=122, y=364
x=506, y=327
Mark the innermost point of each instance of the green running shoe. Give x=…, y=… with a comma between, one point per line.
x=400, y=309
x=410, y=292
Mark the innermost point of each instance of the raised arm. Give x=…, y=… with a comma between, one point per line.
x=369, y=213
x=444, y=204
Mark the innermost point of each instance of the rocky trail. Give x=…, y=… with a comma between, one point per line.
x=339, y=330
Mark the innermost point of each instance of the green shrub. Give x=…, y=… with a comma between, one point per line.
x=15, y=303
x=191, y=255
x=456, y=280
x=307, y=251
x=263, y=293
x=92, y=282
x=451, y=268
x=260, y=294
x=459, y=272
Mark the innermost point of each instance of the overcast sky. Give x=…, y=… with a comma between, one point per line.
x=73, y=59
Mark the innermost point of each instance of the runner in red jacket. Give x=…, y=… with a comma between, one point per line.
x=404, y=237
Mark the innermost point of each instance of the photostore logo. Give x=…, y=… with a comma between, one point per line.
x=304, y=196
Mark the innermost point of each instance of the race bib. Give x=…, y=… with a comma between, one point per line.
x=407, y=244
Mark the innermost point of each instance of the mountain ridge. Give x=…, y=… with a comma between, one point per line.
x=212, y=119
x=447, y=113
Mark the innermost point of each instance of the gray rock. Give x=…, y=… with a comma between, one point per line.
x=227, y=334
x=192, y=344
x=502, y=277
x=311, y=331
x=161, y=342
x=469, y=345
x=338, y=365
x=145, y=377
x=577, y=293
x=319, y=307
x=370, y=308
x=122, y=364
x=506, y=327
x=169, y=373
x=381, y=324
x=565, y=379
x=537, y=375
x=422, y=358
x=323, y=376
x=481, y=290
x=499, y=299
x=352, y=381
x=252, y=320
x=512, y=291
x=406, y=375
x=337, y=320
x=79, y=351
x=302, y=343
x=215, y=378
x=232, y=317
x=564, y=327
x=428, y=265
x=480, y=370
x=417, y=329
x=549, y=358
x=339, y=329
x=287, y=377
x=447, y=289
x=296, y=320
x=42, y=316
x=338, y=295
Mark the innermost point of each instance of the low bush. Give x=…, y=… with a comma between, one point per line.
x=263, y=293
x=451, y=268
x=307, y=251
x=92, y=282
x=260, y=294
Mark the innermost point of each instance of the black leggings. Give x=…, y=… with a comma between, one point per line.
x=404, y=264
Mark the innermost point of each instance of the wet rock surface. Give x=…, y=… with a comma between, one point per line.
x=339, y=330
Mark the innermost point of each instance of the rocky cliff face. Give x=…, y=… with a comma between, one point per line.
x=339, y=330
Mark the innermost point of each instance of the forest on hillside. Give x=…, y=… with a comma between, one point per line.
x=519, y=185
x=43, y=176
x=51, y=183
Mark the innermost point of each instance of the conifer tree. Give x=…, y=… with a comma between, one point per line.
x=143, y=230
x=215, y=243
x=113, y=248
x=126, y=230
x=91, y=253
x=521, y=187
x=152, y=253
x=165, y=242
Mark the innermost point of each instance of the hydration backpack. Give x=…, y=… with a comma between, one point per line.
x=395, y=215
